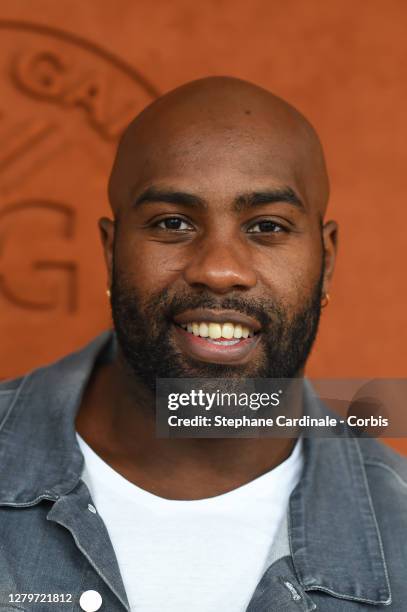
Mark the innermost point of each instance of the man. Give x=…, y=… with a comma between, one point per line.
x=218, y=260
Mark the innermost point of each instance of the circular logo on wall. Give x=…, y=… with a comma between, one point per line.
x=64, y=104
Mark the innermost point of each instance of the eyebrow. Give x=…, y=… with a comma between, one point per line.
x=241, y=202
x=281, y=194
x=171, y=197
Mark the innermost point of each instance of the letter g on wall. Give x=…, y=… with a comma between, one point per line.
x=37, y=264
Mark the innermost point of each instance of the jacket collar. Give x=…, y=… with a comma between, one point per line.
x=335, y=540
x=39, y=453
x=334, y=537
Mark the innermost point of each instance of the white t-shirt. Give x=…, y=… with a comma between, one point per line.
x=202, y=555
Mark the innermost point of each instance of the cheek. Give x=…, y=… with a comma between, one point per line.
x=149, y=265
x=290, y=274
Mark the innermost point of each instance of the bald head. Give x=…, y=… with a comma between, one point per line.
x=220, y=124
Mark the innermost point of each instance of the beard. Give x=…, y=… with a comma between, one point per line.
x=144, y=333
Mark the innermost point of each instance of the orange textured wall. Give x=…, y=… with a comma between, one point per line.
x=73, y=72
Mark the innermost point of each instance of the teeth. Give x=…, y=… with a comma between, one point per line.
x=214, y=331
x=227, y=331
x=203, y=330
x=223, y=342
x=237, y=333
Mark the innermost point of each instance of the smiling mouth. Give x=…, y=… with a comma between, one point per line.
x=223, y=334
x=217, y=336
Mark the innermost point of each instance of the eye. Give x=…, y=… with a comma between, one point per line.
x=266, y=226
x=174, y=224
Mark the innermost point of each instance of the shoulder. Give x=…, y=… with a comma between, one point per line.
x=384, y=463
x=9, y=389
x=386, y=476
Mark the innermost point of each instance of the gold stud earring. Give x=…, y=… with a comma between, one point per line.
x=108, y=293
x=325, y=300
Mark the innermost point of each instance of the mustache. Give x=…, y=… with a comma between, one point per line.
x=260, y=310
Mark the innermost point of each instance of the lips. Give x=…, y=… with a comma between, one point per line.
x=217, y=336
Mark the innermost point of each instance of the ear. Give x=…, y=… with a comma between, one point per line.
x=106, y=228
x=330, y=245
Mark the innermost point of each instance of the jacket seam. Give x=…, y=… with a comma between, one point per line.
x=97, y=570
x=389, y=469
x=34, y=502
x=323, y=589
x=379, y=539
x=17, y=393
x=317, y=587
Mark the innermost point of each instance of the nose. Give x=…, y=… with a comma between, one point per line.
x=221, y=266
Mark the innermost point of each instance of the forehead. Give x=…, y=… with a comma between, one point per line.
x=218, y=157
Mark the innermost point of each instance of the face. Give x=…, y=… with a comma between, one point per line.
x=218, y=263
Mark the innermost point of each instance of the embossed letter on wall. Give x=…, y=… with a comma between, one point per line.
x=26, y=273
x=64, y=104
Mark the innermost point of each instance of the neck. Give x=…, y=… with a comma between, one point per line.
x=116, y=418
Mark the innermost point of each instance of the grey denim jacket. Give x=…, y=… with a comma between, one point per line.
x=347, y=518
